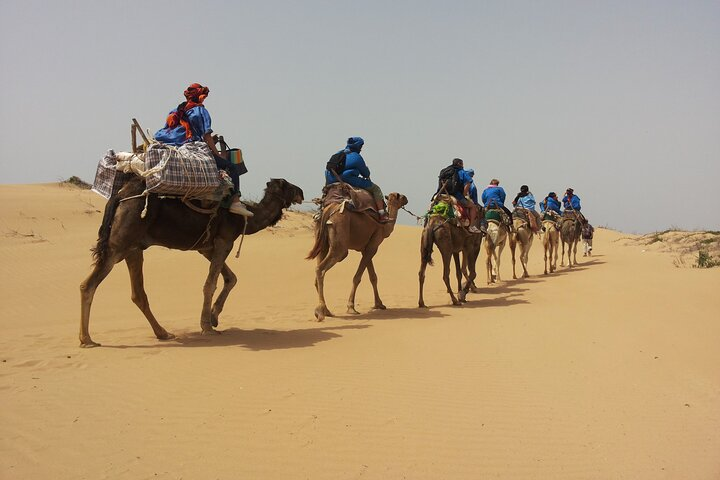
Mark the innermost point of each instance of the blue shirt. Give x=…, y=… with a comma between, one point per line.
x=552, y=205
x=528, y=201
x=465, y=178
x=493, y=197
x=572, y=204
x=356, y=173
x=199, y=120
x=473, y=191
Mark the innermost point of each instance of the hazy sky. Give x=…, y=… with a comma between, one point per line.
x=618, y=99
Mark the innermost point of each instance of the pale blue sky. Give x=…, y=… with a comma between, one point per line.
x=618, y=99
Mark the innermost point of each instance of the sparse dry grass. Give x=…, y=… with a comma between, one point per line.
x=699, y=249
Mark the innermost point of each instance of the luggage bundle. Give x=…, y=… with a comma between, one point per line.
x=108, y=180
x=188, y=171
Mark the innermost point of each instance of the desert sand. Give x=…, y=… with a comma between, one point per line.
x=608, y=370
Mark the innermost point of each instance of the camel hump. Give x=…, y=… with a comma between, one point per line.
x=360, y=200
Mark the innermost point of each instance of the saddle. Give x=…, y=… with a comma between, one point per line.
x=527, y=218
x=358, y=200
x=497, y=215
x=458, y=211
x=571, y=215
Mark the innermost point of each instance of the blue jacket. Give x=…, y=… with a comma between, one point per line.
x=493, y=196
x=528, y=201
x=356, y=173
x=473, y=192
x=199, y=120
x=572, y=204
x=465, y=178
x=552, y=205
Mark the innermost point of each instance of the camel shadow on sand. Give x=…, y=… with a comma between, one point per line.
x=395, y=313
x=257, y=339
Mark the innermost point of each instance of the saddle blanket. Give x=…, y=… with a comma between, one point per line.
x=360, y=199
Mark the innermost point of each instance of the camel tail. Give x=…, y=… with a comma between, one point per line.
x=426, y=245
x=322, y=245
x=99, y=252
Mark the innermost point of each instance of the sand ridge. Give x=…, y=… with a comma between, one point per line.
x=606, y=370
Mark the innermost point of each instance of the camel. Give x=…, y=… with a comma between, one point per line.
x=339, y=230
x=569, y=234
x=497, y=233
x=550, y=244
x=524, y=235
x=124, y=235
x=451, y=240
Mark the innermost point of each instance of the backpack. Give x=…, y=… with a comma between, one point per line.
x=450, y=175
x=337, y=162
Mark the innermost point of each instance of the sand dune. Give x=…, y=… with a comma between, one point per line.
x=609, y=370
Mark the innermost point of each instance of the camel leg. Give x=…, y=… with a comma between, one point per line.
x=87, y=293
x=217, y=262
x=134, y=263
x=421, y=281
x=488, y=261
x=364, y=259
x=332, y=257
x=458, y=275
x=497, y=253
x=526, y=255
x=471, y=258
x=513, y=244
x=373, y=280
x=446, y=277
x=575, y=244
x=229, y=282
x=562, y=256
x=546, y=245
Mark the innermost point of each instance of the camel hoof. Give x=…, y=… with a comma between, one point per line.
x=352, y=311
x=165, y=336
x=319, y=314
x=422, y=305
x=89, y=344
x=214, y=320
x=379, y=306
x=210, y=331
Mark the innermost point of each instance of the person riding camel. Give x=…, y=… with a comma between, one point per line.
x=550, y=204
x=494, y=197
x=356, y=173
x=457, y=182
x=190, y=122
x=571, y=204
x=526, y=200
x=550, y=208
x=571, y=201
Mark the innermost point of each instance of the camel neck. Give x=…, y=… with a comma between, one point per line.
x=266, y=213
x=390, y=226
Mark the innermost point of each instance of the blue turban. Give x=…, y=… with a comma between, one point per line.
x=354, y=144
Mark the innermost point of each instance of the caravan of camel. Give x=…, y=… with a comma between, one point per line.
x=133, y=222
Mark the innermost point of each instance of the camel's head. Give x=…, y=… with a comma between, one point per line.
x=290, y=193
x=396, y=199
